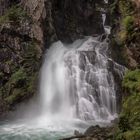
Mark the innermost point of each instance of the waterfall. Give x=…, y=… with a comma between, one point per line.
x=76, y=81
x=78, y=88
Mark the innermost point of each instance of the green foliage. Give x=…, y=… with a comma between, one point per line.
x=20, y=86
x=22, y=80
x=14, y=14
x=131, y=109
x=31, y=58
x=126, y=7
x=18, y=77
x=18, y=95
x=132, y=81
x=129, y=124
x=124, y=123
x=128, y=23
x=127, y=26
x=126, y=10
x=132, y=135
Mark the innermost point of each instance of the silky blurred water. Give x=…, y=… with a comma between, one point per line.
x=77, y=90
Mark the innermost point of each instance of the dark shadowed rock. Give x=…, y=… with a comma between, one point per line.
x=74, y=19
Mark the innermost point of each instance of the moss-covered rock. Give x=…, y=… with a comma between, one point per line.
x=20, y=58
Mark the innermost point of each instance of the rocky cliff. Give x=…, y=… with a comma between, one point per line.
x=27, y=28
x=21, y=43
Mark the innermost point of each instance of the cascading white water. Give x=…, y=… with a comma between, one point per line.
x=76, y=81
x=77, y=90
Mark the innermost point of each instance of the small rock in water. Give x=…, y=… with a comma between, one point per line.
x=77, y=133
x=92, y=130
x=115, y=121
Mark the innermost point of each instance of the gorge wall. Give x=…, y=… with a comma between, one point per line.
x=27, y=28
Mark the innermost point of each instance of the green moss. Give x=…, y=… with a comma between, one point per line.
x=14, y=14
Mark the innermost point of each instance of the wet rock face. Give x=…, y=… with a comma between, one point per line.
x=75, y=18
